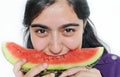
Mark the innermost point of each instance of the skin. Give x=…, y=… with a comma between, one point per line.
x=56, y=31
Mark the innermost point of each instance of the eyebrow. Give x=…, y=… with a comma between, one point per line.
x=63, y=26
x=69, y=24
x=40, y=25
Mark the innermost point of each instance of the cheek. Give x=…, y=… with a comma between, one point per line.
x=74, y=42
x=38, y=43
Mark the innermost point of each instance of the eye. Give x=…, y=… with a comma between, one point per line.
x=69, y=31
x=41, y=32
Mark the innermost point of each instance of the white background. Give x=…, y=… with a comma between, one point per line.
x=104, y=13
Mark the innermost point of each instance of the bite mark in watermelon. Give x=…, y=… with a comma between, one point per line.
x=79, y=57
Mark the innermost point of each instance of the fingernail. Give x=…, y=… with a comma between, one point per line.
x=44, y=65
x=52, y=75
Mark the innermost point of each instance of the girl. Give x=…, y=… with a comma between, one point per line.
x=58, y=26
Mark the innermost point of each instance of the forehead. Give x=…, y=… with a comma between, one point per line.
x=59, y=9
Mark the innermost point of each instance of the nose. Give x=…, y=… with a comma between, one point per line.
x=55, y=45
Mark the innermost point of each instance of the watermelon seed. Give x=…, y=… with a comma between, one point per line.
x=18, y=51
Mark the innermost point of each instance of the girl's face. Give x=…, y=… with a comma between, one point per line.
x=57, y=30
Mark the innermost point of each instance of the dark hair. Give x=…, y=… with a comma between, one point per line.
x=81, y=8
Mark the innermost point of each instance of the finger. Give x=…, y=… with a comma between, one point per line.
x=49, y=75
x=84, y=74
x=72, y=71
x=17, y=66
x=36, y=70
x=93, y=72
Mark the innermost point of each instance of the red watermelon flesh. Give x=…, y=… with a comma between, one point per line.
x=78, y=57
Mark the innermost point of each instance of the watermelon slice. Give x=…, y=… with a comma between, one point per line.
x=79, y=57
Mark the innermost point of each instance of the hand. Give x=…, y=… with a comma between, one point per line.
x=32, y=73
x=81, y=72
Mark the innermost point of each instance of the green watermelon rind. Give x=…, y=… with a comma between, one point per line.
x=8, y=55
x=27, y=66
x=13, y=60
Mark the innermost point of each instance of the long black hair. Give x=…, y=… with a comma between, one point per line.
x=81, y=8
